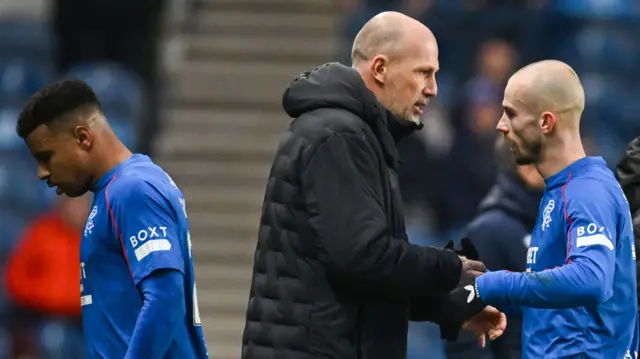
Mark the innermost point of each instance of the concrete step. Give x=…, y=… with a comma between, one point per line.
x=211, y=285
x=261, y=151
x=250, y=71
x=296, y=7
x=225, y=328
x=206, y=224
x=220, y=174
x=266, y=48
x=227, y=301
x=238, y=273
x=223, y=249
x=182, y=172
x=241, y=142
x=247, y=21
x=258, y=45
x=250, y=3
x=211, y=194
x=226, y=120
x=205, y=231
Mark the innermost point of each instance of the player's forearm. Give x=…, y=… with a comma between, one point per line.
x=163, y=309
x=569, y=286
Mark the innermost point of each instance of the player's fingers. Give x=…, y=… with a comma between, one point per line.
x=498, y=329
x=495, y=333
x=502, y=324
x=475, y=265
x=481, y=340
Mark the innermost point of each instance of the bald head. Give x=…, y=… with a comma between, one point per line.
x=388, y=33
x=549, y=85
x=397, y=58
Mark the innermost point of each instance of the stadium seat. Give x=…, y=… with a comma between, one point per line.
x=9, y=140
x=119, y=90
x=12, y=224
x=596, y=9
x=124, y=129
x=26, y=38
x=19, y=79
x=20, y=186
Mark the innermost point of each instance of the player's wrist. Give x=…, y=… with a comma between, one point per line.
x=487, y=284
x=462, y=303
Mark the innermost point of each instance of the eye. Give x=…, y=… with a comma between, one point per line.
x=427, y=73
x=44, y=157
x=509, y=112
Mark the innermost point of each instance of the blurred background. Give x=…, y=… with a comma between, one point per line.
x=196, y=84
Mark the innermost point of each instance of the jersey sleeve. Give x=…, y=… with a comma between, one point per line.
x=147, y=228
x=587, y=276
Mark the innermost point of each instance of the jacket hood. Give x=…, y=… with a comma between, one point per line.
x=334, y=85
x=511, y=195
x=628, y=174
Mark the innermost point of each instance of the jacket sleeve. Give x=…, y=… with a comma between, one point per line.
x=427, y=308
x=343, y=195
x=587, y=276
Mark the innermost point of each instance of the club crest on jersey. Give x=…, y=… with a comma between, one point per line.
x=89, y=225
x=546, y=214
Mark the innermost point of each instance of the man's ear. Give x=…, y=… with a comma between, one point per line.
x=548, y=122
x=379, y=68
x=83, y=137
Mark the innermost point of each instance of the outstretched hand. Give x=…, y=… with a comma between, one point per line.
x=490, y=321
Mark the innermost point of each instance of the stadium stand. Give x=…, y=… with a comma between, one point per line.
x=222, y=129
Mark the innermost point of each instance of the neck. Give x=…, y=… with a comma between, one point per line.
x=111, y=155
x=560, y=155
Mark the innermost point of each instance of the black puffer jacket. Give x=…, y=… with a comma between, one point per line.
x=628, y=174
x=334, y=274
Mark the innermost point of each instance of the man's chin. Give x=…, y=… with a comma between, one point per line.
x=73, y=193
x=410, y=120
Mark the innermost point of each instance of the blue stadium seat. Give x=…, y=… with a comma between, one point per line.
x=447, y=85
x=120, y=91
x=19, y=184
x=124, y=129
x=596, y=9
x=12, y=225
x=9, y=140
x=26, y=38
x=59, y=339
x=19, y=79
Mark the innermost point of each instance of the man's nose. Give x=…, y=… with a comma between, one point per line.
x=502, y=126
x=43, y=173
x=430, y=89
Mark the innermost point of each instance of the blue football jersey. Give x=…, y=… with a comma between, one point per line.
x=578, y=295
x=137, y=224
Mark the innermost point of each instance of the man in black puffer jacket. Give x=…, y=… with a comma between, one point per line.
x=628, y=174
x=334, y=276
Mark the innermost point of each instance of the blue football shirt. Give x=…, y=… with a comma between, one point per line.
x=578, y=295
x=137, y=224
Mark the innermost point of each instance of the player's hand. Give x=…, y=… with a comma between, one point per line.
x=472, y=269
x=465, y=248
x=462, y=304
x=489, y=322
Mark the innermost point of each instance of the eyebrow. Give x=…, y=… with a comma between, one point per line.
x=509, y=110
x=432, y=68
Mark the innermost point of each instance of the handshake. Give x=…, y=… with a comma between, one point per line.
x=463, y=307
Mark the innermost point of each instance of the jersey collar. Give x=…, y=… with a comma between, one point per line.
x=577, y=167
x=106, y=178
